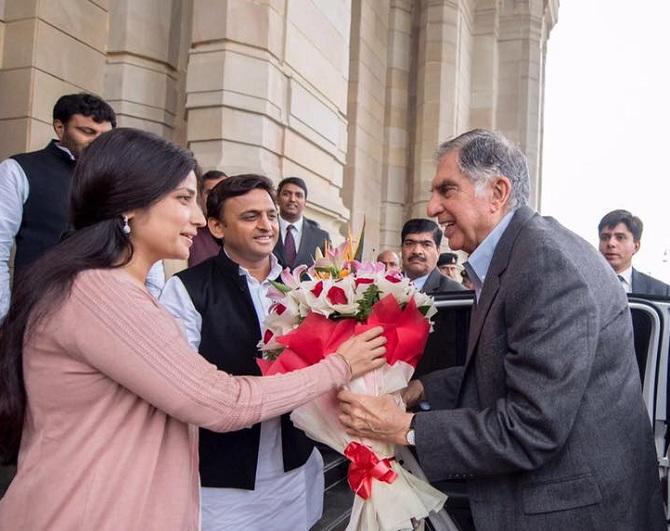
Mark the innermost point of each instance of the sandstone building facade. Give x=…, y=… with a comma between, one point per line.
x=352, y=95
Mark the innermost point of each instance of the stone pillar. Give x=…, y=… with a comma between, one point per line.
x=2, y=29
x=397, y=127
x=524, y=29
x=366, y=113
x=50, y=49
x=146, y=64
x=484, y=100
x=266, y=93
x=442, y=87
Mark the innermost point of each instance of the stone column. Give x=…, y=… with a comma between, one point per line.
x=146, y=63
x=266, y=93
x=397, y=129
x=442, y=88
x=366, y=112
x=50, y=49
x=524, y=29
x=2, y=29
x=484, y=99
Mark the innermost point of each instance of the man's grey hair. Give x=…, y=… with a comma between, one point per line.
x=483, y=154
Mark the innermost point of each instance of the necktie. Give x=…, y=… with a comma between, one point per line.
x=623, y=282
x=289, y=246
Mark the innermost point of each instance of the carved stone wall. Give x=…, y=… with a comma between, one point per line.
x=352, y=95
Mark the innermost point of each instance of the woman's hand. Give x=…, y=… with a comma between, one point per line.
x=364, y=352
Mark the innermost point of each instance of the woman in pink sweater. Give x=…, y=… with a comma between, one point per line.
x=100, y=393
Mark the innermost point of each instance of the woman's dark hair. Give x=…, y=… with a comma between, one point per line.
x=122, y=170
x=233, y=187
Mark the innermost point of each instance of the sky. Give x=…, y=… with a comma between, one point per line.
x=607, y=121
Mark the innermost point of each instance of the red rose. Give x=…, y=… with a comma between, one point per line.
x=267, y=336
x=395, y=279
x=337, y=295
x=279, y=308
x=360, y=281
x=316, y=290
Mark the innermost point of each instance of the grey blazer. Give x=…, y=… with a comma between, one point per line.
x=648, y=285
x=439, y=283
x=312, y=237
x=545, y=420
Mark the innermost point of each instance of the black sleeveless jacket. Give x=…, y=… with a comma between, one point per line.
x=229, y=335
x=46, y=212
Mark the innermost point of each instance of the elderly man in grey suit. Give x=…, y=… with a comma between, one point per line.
x=620, y=235
x=421, y=239
x=299, y=236
x=545, y=420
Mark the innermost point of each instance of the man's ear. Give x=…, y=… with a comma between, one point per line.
x=59, y=129
x=637, y=246
x=216, y=227
x=501, y=188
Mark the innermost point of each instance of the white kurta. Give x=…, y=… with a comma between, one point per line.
x=280, y=500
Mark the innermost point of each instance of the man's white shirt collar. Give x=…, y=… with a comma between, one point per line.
x=479, y=261
x=297, y=225
x=297, y=230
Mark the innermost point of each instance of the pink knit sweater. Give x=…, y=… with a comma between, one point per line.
x=114, y=397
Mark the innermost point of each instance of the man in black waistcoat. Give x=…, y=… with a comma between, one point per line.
x=35, y=187
x=268, y=476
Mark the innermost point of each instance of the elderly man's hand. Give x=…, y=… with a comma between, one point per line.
x=374, y=417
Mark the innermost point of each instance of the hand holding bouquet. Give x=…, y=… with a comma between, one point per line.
x=309, y=320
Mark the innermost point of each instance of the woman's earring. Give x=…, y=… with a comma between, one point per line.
x=126, y=227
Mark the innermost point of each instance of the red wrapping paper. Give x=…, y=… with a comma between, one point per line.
x=406, y=331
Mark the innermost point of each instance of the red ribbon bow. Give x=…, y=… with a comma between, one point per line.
x=366, y=466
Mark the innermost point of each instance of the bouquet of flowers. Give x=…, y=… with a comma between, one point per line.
x=309, y=320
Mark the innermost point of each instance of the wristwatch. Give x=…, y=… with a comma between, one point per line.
x=409, y=436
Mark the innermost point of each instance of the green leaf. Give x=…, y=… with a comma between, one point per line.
x=369, y=299
x=358, y=254
x=272, y=355
x=281, y=287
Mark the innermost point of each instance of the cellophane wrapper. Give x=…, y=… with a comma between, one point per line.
x=391, y=506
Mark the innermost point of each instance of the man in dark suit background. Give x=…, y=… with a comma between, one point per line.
x=545, y=420
x=620, y=235
x=299, y=236
x=421, y=239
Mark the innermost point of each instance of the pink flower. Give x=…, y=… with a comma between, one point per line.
x=275, y=294
x=369, y=268
x=337, y=295
x=292, y=280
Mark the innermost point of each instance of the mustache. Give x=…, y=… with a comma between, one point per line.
x=419, y=257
